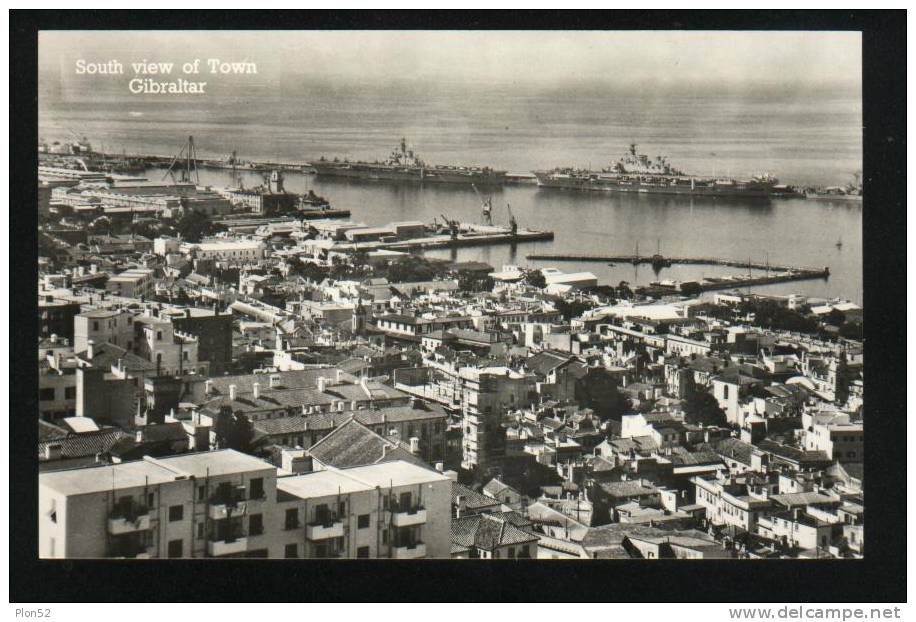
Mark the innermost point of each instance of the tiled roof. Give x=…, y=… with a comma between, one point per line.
x=84, y=445
x=299, y=379
x=49, y=431
x=793, y=453
x=270, y=400
x=487, y=532
x=630, y=488
x=732, y=449
x=105, y=355
x=545, y=362
x=471, y=499
x=353, y=444
x=496, y=487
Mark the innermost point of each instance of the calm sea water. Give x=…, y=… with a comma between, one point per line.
x=810, y=138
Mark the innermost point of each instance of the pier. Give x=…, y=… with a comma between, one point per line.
x=774, y=273
x=445, y=240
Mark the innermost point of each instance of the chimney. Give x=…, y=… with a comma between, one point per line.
x=322, y=384
x=53, y=451
x=54, y=338
x=439, y=467
x=414, y=445
x=138, y=437
x=208, y=387
x=232, y=391
x=187, y=312
x=256, y=390
x=90, y=349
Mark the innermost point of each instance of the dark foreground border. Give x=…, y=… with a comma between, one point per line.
x=880, y=577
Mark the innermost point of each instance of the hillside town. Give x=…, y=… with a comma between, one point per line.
x=227, y=378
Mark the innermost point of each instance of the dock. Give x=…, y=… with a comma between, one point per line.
x=445, y=240
x=774, y=273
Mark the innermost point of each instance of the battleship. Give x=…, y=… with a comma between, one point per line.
x=637, y=173
x=404, y=165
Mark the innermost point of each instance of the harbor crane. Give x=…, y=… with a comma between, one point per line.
x=513, y=224
x=189, y=154
x=487, y=206
x=452, y=226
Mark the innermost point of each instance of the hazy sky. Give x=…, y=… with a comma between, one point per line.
x=521, y=57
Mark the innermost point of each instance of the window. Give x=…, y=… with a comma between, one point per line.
x=201, y=493
x=384, y=536
x=257, y=488
x=292, y=518
x=200, y=530
x=158, y=335
x=255, y=524
x=185, y=355
x=342, y=508
x=176, y=513
x=176, y=548
x=69, y=393
x=150, y=498
x=95, y=326
x=511, y=552
x=362, y=552
x=46, y=395
x=291, y=551
x=362, y=521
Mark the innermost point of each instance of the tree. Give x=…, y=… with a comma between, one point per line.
x=411, y=269
x=309, y=270
x=691, y=289
x=852, y=330
x=701, y=407
x=535, y=278
x=195, y=225
x=599, y=391
x=234, y=431
x=572, y=308
x=624, y=291
x=841, y=393
x=835, y=318
x=470, y=282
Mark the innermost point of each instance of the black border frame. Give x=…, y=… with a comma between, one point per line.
x=879, y=577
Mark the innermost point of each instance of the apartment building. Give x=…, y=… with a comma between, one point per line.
x=194, y=505
x=393, y=510
x=133, y=283
x=228, y=504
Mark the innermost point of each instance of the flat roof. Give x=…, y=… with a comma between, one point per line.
x=321, y=484
x=398, y=472
x=215, y=463
x=103, y=478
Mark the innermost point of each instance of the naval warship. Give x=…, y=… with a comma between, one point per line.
x=404, y=165
x=637, y=173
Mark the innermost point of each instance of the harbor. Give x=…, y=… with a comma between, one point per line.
x=773, y=273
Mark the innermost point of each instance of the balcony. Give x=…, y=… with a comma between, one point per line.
x=409, y=551
x=324, y=530
x=219, y=511
x=218, y=548
x=138, y=519
x=408, y=517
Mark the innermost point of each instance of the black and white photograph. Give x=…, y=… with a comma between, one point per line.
x=538, y=297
